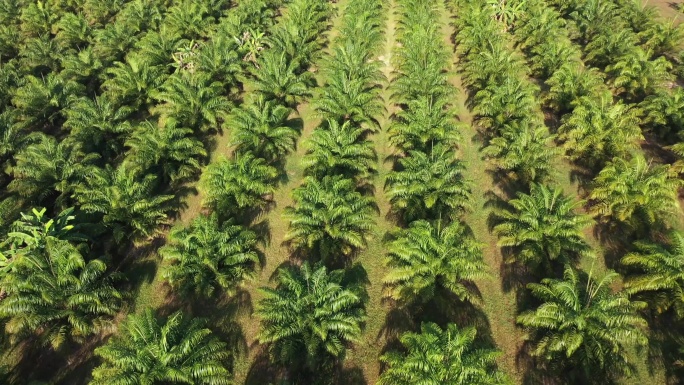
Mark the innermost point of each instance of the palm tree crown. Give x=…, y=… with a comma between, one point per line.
x=660, y=271
x=542, y=227
x=50, y=288
x=427, y=261
x=581, y=323
x=429, y=185
x=232, y=186
x=310, y=311
x=174, y=350
x=208, y=256
x=435, y=356
x=330, y=217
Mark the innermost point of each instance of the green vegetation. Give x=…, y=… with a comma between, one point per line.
x=340, y=192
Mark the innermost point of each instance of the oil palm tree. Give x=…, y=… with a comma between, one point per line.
x=435, y=356
x=277, y=79
x=571, y=82
x=429, y=185
x=658, y=273
x=264, y=128
x=129, y=204
x=664, y=112
x=635, y=193
x=51, y=290
x=173, y=350
x=133, y=82
x=424, y=122
x=49, y=171
x=40, y=102
x=542, y=228
x=242, y=183
x=170, y=151
x=428, y=261
x=99, y=125
x=583, y=326
x=523, y=152
x=192, y=100
x=208, y=256
x=310, y=317
x=330, y=217
x=598, y=130
x=339, y=149
x=220, y=60
x=344, y=98
x=637, y=76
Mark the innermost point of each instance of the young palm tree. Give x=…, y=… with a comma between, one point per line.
x=350, y=99
x=193, y=101
x=127, y=202
x=598, y=130
x=660, y=273
x=156, y=49
x=581, y=325
x=637, y=76
x=73, y=31
x=220, y=60
x=635, y=193
x=664, y=111
x=339, y=149
x=571, y=82
x=523, y=152
x=502, y=103
x=98, y=125
x=310, y=317
x=189, y=20
x=263, y=127
x=427, y=262
x=51, y=290
x=435, y=356
x=132, y=83
x=175, y=350
x=329, y=218
x=277, y=79
x=429, y=185
x=48, y=170
x=542, y=227
x=232, y=186
x=423, y=123
x=208, y=256
x=172, y=152
x=40, y=101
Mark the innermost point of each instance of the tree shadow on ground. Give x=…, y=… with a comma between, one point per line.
x=665, y=346
x=534, y=371
x=262, y=370
x=350, y=376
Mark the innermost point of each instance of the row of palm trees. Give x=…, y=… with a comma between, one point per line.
x=635, y=50
x=148, y=110
x=629, y=192
x=657, y=191
x=541, y=227
x=120, y=158
x=434, y=258
x=217, y=252
x=316, y=310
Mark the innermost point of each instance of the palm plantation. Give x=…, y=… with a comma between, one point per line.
x=340, y=192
